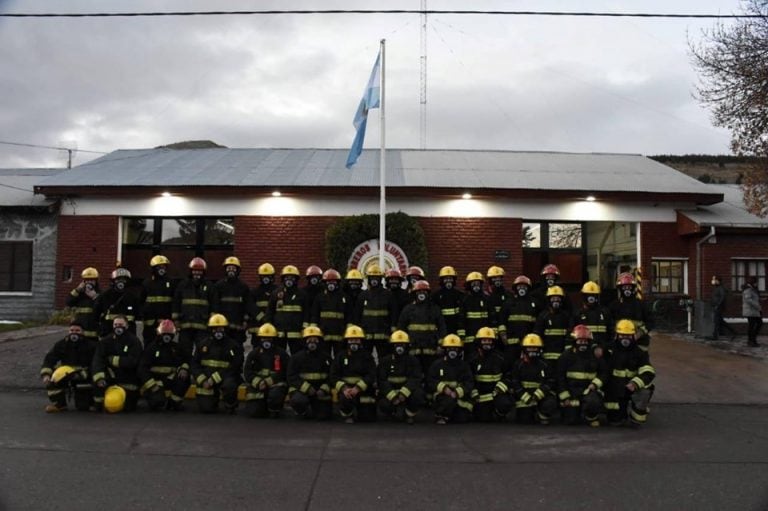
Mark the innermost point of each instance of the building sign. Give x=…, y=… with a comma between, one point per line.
x=367, y=253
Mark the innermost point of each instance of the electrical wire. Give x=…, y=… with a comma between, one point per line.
x=51, y=147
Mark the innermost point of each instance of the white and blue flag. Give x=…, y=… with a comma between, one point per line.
x=371, y=99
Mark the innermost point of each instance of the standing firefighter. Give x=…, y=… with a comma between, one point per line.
x=594, y=316
x=156, y=298
x=399, y=381
x=216, y=368
x=449, y=298
x=231, y=298
x=488, y=367
x=353, y=284
x=65, y=368
x=289, y=310
x=450, y=381
x=517, y=317
x=424, y=324
x=353, y=374
x=414, y=275
x=114, y=364
x=265, y=373
x=260, y=296
x=309, y=379
x=630, y=385
x=192, y=306
x=375, y=312
x=476, y=310
x=497, y=293
x=550, y=277
x=395, y=285
x=331, y=311
x=117, y=301
x=82, y=299
x=553, y=325
x=164, y=369
x=314, y=285
x=580, y=378
x=630, y=307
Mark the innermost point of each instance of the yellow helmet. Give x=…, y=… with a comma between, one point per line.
x=374, y=271
x=290, y=270
x=266, y=269
x=555, y=291
x=217, y=320
x=532, y=341
x=354, y=274
x=158, y=260
x=90, y=273
x=114, y=399
x=447, y=271
x=495, y=271
x=311, y=331
x=62, y=372
x=398, y=336
x=591, y=288
x=354, y=332
x=625, y=327
x=486, y=333
x=231, y=261
x=452, y=341
x=267, y=330
x=474, y=275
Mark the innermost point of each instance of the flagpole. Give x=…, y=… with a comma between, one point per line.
x=382, y=168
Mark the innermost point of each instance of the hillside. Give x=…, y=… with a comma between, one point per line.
x=709, y=168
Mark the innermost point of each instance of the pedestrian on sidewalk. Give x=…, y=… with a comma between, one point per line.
x=719, y=296
x=750, y=308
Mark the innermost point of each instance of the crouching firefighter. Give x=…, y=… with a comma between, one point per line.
x=65, y=370
x=399, y=377
x=630, y=385
x=115, y=363
x=488, y=367
x=581, y=375
x=450, y=381
x=164, y=369
x=216, y=368
x=265, y=370
x=308, y=378
x=353, y=374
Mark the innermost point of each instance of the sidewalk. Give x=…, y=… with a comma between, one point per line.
x=26, y=333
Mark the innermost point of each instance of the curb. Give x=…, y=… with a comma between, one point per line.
x=26, y=333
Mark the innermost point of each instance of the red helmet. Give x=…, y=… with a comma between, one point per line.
x=626, y=279
x=393, y=273
x=415, y=271
x=421, y=285
x=197, y=263
x=166, y=326
x=581, y=332
x=522, y=280
x=550, y=269
x=331, y=274
x=313, y=270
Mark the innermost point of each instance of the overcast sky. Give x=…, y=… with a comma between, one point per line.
x=494, y=82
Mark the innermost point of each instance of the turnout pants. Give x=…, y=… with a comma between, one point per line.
x=226, y=391
x=260, y=403
x=311, y=406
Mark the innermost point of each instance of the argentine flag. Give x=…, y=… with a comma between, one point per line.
x=371, y=99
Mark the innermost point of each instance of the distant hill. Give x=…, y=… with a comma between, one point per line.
x=192, y=144
x=709, y=168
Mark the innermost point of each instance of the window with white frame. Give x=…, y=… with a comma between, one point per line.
x=668, y=276
x=742, y=269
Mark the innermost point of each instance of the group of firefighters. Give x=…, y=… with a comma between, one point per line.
x=485, y=353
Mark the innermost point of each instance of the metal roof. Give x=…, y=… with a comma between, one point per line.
x=17, y=187
x=460, y=169
x=732, y=212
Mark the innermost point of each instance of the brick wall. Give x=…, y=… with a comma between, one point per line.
x=85, y=241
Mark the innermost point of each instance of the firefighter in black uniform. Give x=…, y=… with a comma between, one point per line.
x=497, y=293
x=231, y=298
x=156, y=298
x=309, y=379
x=164, y=370
x=117, y=301
x=450, y=382
x=375, y=312
x=476, y=310
x=265, y=373
x=449, y=298
x=353, y=374
x=66, y=367
x=580, y=379
x=192, y=306
x=595, y=316
x=260, y=295
x=216, y=368
x=331, y=311
x=553, y=326
x=399, y=381
x=81, y=301
x=630, y=384
x=289, y=310
x=488, y=367
x=353, y=284
x=531, y=383
x=412, y=276
x=630, y=307
x=314, y=285
x=550, y=276
x=395, y=285
x=517, y=317
x=424, y=324
x=115, y=363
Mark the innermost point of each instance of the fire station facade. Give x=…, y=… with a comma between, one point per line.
x=593, y=215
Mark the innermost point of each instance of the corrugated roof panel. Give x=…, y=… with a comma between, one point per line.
x=17, y=186
x=732, y=212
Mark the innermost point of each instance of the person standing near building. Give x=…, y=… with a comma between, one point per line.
x=517, y=318
x=314, y=285
x=751, y=309
x=289, y=310
x=192, y=306
x=424, y=324
x=331, y=311
x=117, y=301
x=260, y=296
x=82, y=301
x=375, y=312
x=719, y=296
x=230, y=297
x=395, y=285
x=156, y=298
x=449, y=299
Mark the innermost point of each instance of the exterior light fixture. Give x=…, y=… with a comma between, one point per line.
x=591, y=198
x=466, y=196
x=276, y=194
x=166, y=194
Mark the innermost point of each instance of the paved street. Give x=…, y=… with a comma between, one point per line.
x=690, y=456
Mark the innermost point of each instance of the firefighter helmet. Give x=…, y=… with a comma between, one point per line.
x=495, y=271
x=447, y=271
x=399, y=337
x=522, y=280
x=354, y=274
x=555, y=291
x=313, y=270
x=166, y=326
x=486, y=333
x=590, y=288
x=266, y=269
x=158, y=260
x=197, y=263
x=331, y=274
x=625, y=279
x=532, y=341
x=452, y=341
x=289, y=269
x=114, y=399
x=393, y=273
x=625, y=327
x=62, y=372
x=415, y=271
x=550, y=269
x=354, y=332
x=581, y=332
x=231, y=261
x=473, y=276
x=267, y=330
x=374, y=271
x=311, y=331
x=120, y=273
x=90, y=273
x=421, y=285
x=217, y=320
